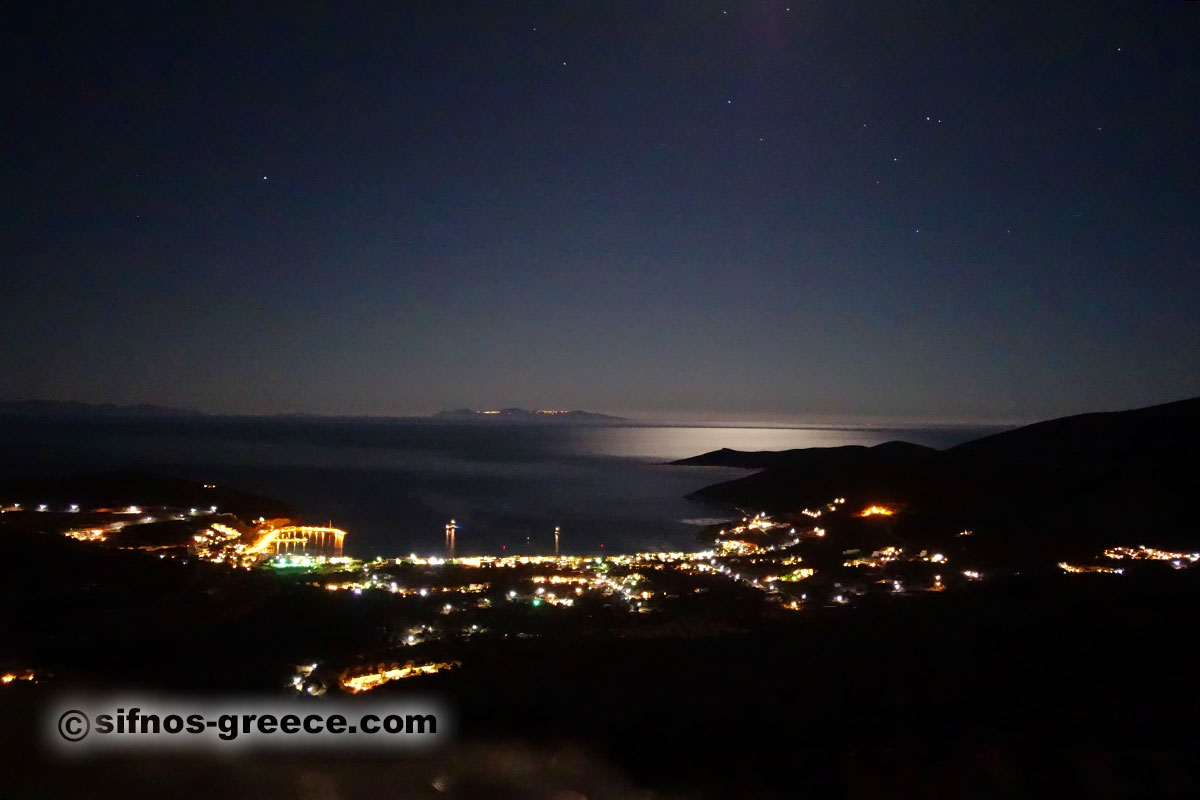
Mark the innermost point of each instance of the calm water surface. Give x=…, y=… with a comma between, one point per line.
x=394, y=484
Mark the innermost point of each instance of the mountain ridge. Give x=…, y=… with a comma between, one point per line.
x=1084, y=478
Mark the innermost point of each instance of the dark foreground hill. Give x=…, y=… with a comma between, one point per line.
x=1033, y=687
x=1157, y=438
x=1092, y=478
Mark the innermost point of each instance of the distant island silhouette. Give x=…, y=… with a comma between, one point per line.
x=69, y=408
x=525, y=415
x=49, y=409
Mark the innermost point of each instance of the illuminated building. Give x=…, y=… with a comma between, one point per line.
x=877, y=511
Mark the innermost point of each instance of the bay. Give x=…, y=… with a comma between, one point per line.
x=394, y=484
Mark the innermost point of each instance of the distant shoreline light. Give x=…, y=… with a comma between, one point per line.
x=547, y=411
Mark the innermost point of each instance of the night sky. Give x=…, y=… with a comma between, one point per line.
x=811, y=210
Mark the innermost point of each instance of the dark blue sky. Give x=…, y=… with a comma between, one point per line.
x=795, y=209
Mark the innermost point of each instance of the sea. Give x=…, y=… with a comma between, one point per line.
x=393, y=485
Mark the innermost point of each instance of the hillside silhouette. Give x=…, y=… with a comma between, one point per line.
x=1091, y=479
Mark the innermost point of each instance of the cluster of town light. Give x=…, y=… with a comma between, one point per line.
x=1178, y=560
x=877, y=559
x=1077, y=568
x=222, y=543
x=74, y=508
x=17, y=676
x=87, y=534
x=365, y=682
x=383, y=584
x=795, y=575
x=1144, y=553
